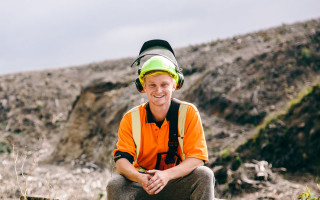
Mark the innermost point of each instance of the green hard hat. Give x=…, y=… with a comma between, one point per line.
x=159, y=63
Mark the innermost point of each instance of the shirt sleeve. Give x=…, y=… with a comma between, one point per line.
x=194, y=143
x=125, y=155
x=125, y=142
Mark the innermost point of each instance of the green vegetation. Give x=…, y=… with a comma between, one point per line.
x=214, y=149
x=236, y=163
x=4, y=148
x=100, y=195
x=305, y=54
x=309, y=56
x=301, y=95
x=308, y=195
x=225, y=154
x=272, y=117
x=278, y=37
x=269, y=120
x=288, y=138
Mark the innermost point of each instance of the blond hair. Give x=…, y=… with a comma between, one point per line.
x=156, y=73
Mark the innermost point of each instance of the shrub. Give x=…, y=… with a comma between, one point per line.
x=308, y=195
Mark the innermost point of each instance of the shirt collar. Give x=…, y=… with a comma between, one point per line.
x=150, y=118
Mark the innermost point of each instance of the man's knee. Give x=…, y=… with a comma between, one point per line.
x=115, y=183
x=205, y=174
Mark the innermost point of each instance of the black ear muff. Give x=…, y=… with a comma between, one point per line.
x=180, y=81
x=139, y=85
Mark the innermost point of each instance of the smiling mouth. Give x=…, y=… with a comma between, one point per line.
x=158, y=96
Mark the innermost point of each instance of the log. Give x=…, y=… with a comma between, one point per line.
x=35, y=198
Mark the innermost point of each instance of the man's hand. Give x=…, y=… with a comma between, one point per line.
x=144, y=180
x=158, y=181
x=155, y=180
x=126, y=169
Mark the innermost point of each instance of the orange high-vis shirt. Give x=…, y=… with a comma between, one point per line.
x=155, y=140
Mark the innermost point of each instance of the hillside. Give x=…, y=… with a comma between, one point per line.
x=291, y=140
x=288, y=142
x=68, y=118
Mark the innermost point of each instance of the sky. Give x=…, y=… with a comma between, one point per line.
x=42, y=34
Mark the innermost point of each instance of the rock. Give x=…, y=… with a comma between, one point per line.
x=221, y=174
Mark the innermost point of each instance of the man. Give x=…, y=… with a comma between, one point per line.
x=165, y=166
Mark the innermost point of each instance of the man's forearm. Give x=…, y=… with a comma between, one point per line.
x=125, y=168
x=184, y=168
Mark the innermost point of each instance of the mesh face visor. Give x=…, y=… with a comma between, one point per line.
x=156, y=47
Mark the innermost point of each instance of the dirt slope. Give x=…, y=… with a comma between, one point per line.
x=291, y=140
x=70, y=116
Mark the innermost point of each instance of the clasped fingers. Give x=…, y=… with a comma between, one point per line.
x=156, y=186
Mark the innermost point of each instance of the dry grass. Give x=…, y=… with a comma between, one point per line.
x=24, y=175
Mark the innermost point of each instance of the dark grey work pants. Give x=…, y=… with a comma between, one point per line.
x=198, y=185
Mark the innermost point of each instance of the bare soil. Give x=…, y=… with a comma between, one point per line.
x=63, y=122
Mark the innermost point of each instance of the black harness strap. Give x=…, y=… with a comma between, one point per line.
x=173, y=143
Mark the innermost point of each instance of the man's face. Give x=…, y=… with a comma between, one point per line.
x=159, y=89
